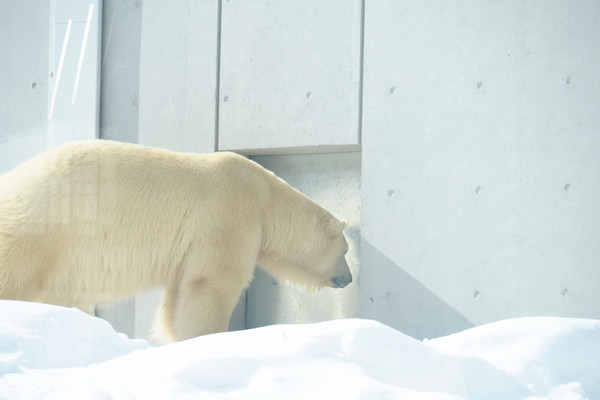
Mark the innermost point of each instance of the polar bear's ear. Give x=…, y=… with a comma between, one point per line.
x=334, y=226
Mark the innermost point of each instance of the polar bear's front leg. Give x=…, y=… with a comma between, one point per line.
x=197, y=307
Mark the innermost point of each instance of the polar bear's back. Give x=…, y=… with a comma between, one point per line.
x=93, y=183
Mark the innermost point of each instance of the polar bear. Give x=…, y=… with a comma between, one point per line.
x=95, y=221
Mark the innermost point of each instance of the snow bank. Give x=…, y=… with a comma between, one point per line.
x=555, y=358
x=58, y=353
x=43, y=336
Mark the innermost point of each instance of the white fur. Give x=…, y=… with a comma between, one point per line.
x=95, y=221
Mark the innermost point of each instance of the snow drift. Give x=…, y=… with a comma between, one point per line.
x=58, y=353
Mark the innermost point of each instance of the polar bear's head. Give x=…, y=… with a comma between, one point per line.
x=301, y=242
x=331, y=261
x=313, y=259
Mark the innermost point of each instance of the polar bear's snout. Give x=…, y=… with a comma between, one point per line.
x=341, y=281
x=343, y=276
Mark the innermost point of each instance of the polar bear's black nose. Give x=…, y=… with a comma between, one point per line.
x=341, y=281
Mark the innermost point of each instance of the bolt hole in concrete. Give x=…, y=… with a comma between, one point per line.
x=479, y=85
x=392, y=90
x=567, y=186
x=478, y=190
x=308, y=94
x=34, y=85
x=476, y=294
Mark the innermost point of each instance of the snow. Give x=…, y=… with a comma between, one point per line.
x=52, y=352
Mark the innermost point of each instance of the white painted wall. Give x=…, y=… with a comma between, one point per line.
x=481, y=175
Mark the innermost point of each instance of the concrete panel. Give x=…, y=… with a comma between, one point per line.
x=178, y=70
x=290, y=74
x=480, y=162
x=74, y=65
x=333, y=181
x=24, y=86
x=121, y=41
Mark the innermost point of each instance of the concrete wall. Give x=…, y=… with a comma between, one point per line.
x=480, y=180
x=475, y=196
x=178, y=74
x=74, y=70
x=285, y=69
x=120, y=79
x=24, y=86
